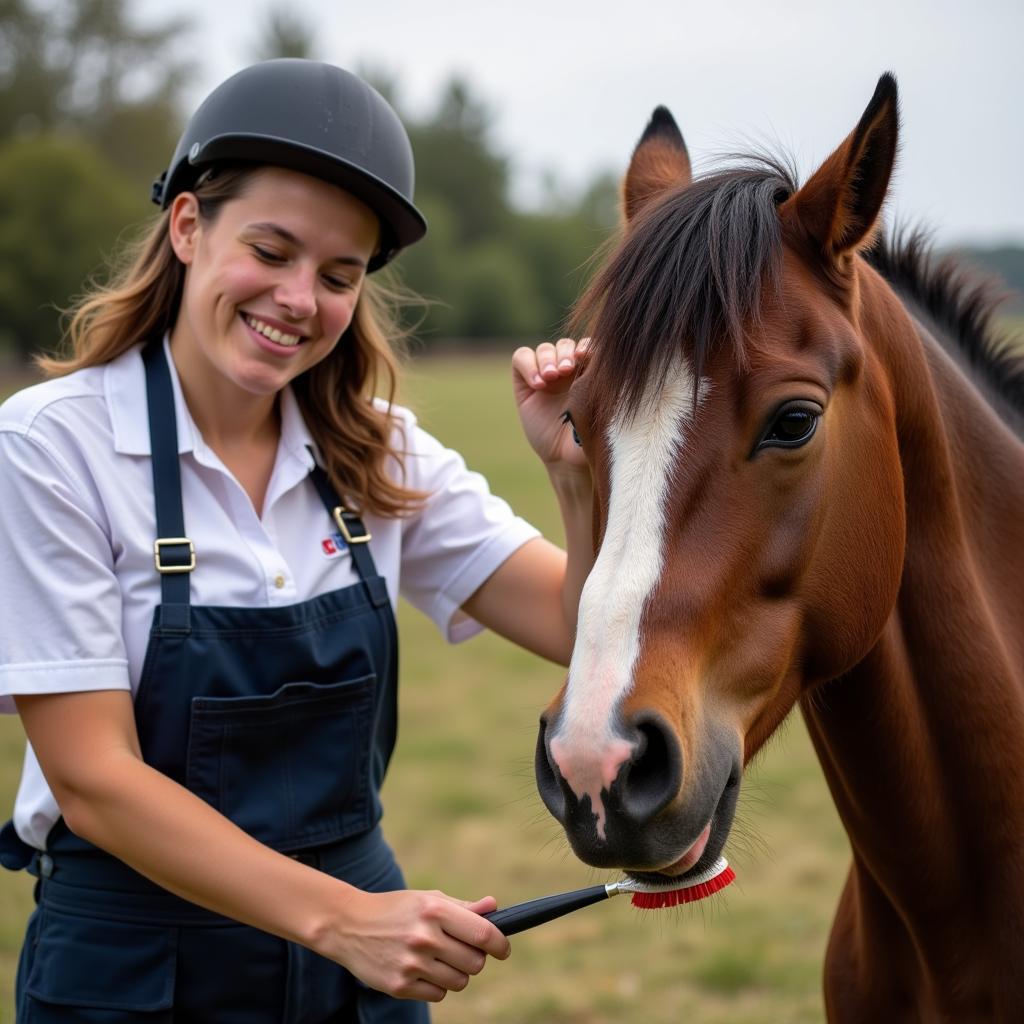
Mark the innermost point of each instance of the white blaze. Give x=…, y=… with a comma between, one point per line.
x=643, y=451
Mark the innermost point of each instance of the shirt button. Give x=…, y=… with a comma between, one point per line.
x=279, y=581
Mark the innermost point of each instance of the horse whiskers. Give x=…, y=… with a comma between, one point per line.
x=747, y=847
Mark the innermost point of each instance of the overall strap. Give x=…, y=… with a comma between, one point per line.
x=356, y=536
x=173, y=553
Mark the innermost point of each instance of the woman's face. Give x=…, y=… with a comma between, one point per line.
x=271, y=282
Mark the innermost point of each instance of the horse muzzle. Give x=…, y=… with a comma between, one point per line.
x=639, y=811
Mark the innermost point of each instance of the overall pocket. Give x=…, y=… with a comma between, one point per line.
x=293, y=768
x=109, y=971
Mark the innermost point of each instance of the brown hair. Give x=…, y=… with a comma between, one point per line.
x=353, y=432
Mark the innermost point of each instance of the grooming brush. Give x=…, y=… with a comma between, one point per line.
x=646, y=895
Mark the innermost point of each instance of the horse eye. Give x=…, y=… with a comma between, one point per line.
x=567, y=418
x=793, y=426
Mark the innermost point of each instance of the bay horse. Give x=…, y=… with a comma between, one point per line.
x=808, y=456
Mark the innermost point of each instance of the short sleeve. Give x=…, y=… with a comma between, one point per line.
x=458, y=539
x=60, y=604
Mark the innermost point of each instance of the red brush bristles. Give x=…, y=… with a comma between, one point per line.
x=688, y=894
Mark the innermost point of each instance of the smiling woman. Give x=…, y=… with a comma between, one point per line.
x=308, y=268
x=265, y=301
x=211, y=510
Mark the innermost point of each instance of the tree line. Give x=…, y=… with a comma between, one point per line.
x=91, y=108
x=90, y=111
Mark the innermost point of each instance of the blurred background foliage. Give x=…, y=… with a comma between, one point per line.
x=90, y=111
x=91, y=105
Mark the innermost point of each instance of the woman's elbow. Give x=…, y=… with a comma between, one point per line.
x=79, y=811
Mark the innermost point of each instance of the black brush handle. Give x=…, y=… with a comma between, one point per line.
x=521, y=916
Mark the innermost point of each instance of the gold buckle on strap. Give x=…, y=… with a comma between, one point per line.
x=339, y=517
x=165, y=541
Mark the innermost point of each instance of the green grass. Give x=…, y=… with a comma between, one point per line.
x=463, y=814
x=1012, y=327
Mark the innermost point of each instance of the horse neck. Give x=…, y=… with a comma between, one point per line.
x=921, y=741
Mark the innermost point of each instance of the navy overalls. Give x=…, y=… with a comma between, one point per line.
x=284, y=720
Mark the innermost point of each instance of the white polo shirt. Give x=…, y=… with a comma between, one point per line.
x=77, y=525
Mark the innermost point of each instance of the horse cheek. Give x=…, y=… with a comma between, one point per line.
x=856, y=579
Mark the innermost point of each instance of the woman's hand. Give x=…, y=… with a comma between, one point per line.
x=541, y=378
x=413, y=944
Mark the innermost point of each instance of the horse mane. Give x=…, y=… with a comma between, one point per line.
x=688, y=273
x=690, y=270
x=962, y=304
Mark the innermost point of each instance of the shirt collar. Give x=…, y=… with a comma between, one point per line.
x=295, y=435
x=125, y=389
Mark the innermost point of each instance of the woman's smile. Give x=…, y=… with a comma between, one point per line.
x=273, y=281
x=272, y=335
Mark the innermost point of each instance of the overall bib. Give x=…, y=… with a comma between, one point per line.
x=284, y=720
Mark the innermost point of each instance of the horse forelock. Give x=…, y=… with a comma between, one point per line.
x=688, y=274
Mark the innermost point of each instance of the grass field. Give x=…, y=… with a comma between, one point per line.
x=463, y=814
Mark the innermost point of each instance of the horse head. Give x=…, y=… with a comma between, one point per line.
x=749, y=517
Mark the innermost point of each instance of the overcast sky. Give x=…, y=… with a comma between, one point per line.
x=571, y=83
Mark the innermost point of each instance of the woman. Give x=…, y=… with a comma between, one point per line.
x=201, y=644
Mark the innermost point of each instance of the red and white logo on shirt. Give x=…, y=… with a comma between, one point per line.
x=333, y=546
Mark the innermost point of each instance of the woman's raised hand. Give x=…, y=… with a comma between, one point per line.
x=541, y=378
x=415, y=944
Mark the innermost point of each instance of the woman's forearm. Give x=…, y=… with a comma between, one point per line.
x=574, y=490
x=178, y=841
x=533, y=597
x=117, y=802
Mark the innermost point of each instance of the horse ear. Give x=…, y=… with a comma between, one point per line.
x=837, y=209
x=660, y=162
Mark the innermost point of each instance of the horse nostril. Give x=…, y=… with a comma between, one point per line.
x=640, y=773
x=548, y=781
x=652, y=778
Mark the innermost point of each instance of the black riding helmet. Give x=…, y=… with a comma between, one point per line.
x=309, y=117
